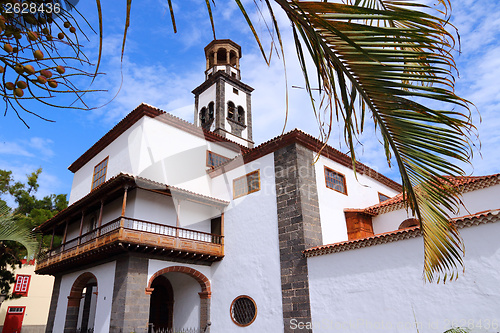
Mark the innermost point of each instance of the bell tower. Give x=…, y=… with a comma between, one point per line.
x=222, y=104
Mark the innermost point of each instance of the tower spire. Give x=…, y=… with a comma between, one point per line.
x=223, y=102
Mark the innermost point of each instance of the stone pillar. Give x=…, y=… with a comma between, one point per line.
x=249, y=120
x=220, y=107
x=298, y=227
x=71, y=322
x=130, y=305
x=53, y=304
x=205, y=298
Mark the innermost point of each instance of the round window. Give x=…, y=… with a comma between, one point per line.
x=243, y=310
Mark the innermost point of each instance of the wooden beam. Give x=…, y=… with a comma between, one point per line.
x=81, y=228
x=65, y=234
x=52, y=239
x=124, y=203
x=222, y=231
x=100, y=219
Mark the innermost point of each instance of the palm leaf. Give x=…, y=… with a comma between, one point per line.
x=393, y=58
x=12, y=231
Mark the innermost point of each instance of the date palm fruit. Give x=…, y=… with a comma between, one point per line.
x=18, y=92
x=15, y=49
x=52, y=84
x=21, y=84
x=67, y=24
x=60, y=35
x=8, y=48
x=32, y=35
x=46, y=73
x=41, y=79
x=29, y=69
x=60, y=69
x=42, y=20
x=10, y=85
x=38, y=54
x=72, y=30
x=46, y=30
x=19, y=69
x=2, y=70
x=17, y=35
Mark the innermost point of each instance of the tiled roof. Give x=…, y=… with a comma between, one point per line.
x=152, y=112
x=465, y=184
x=393, y=236
x=309, y=142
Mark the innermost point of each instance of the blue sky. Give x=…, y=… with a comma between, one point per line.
x=161, y=68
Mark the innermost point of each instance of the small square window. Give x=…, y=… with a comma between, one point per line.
x=235, y=91
x=335, y=181
x=100, y=173
x=22, y=285
x=247, y=184
x=214, y=160
x=382, y=197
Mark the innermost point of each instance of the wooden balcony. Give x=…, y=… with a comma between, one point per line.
x=127, y=234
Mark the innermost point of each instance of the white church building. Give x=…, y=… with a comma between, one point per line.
x=174, y=225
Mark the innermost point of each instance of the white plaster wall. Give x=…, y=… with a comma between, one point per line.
x=381, y=289
x=105, y=275
x=186, y=300
x=361, y=193
x=157, y=151
x=120, y=154
x=480, y=200
x=111, y=210
x=389, y=221
x=205, y=98
x=251, y=264
x=474, y=201
x=151, y=207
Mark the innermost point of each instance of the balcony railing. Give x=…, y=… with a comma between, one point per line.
x=139, y=232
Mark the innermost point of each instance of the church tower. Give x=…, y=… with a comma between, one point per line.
x=223, y=103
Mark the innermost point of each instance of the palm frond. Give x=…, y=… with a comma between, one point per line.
x=12, y=231
x=393, y=58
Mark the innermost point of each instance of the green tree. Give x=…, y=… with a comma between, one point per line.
x=16, y=238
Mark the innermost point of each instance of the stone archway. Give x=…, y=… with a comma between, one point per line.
x=205, y=294
x=83, y=281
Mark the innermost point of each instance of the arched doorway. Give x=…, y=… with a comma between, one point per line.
x=161, y=306
x=200, y=279
x=82, y=303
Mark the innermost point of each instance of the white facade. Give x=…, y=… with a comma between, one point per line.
x=105, y=275
x=381, y=288
x=362, y=191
